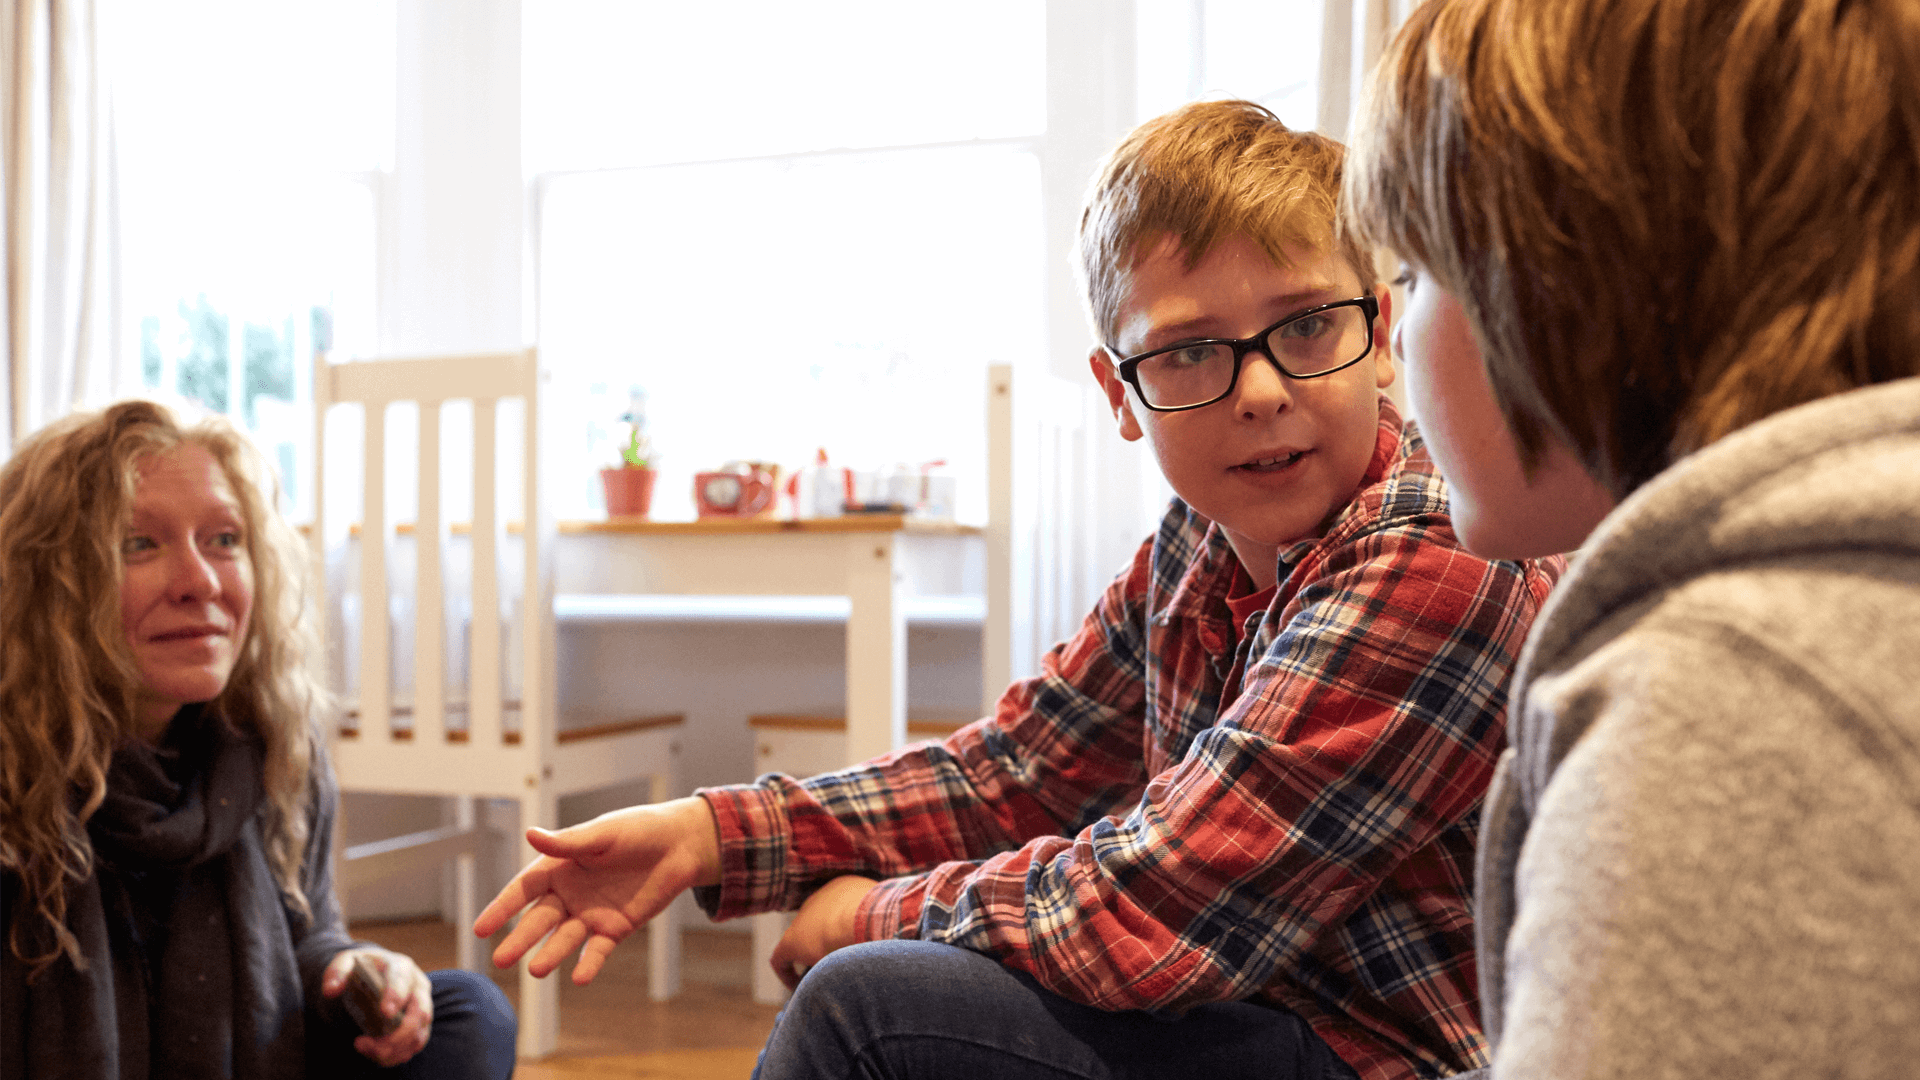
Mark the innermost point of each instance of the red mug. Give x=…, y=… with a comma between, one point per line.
x=733, y=492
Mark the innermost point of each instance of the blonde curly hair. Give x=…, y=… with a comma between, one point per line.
x=68, y=680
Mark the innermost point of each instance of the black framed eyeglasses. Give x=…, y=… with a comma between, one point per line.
x=1305, y=345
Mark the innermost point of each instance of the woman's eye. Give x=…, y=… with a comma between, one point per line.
x=133, y=545
x=227, y=539
x=1406, y=277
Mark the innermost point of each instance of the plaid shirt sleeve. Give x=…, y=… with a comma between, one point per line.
x=1061, y=751
x=1309, y=843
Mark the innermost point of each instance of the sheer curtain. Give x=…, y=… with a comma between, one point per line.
x=60, y=317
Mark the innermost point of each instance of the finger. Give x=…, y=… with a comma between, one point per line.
x=570, y=935
x=534, y=925
x=593, y=956
x=572, y=842
x=790, y=975
x=531, y=883
x=787, y=962
x=399, y=991
x=334, y=978
x=404, y=1041
x=423, y=999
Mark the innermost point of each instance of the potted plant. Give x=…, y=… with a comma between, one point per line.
x=629, y=484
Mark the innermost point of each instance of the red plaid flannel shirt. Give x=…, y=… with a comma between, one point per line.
x=1161, y=820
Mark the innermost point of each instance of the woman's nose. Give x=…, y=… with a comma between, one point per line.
x=193, y=577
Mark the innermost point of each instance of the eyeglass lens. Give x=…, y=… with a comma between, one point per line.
x=1202, y=372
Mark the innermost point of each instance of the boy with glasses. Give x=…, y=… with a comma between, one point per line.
x=1663, y=257
x=1229, y=830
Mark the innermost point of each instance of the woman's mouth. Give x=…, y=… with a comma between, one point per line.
x=189, y=633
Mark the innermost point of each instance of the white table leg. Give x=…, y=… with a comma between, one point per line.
x=876, y=649
x=768, y=928
x=539, y=998
x=466, y=948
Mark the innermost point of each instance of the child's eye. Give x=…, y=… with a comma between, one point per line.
x=1193, y=355
x=1406, y=277
x=1308, y=327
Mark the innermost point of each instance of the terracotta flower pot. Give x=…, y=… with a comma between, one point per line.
x=629, y=491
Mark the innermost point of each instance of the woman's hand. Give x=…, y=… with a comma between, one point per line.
x=408, y=995
x=597, y=882
x=824, y=923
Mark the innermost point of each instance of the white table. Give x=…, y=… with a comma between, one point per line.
x=880, y=563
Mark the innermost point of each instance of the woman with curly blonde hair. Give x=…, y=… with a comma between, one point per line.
x=166, y=808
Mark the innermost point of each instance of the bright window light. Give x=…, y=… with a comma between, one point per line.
x=248, y=137
x=793, y=226
x=772, y=308
x=1262, y=50
x=613, y=83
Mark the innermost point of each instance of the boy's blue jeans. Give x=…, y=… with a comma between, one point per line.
x=923, y=1010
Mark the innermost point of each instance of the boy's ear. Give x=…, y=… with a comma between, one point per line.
x=1115, y=388
x=1383, y=369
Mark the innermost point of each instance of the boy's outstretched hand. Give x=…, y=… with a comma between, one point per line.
x=597, y=882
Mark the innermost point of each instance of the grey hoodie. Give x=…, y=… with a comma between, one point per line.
x=1701, y=856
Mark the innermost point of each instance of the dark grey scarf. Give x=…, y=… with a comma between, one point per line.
x=190, y=967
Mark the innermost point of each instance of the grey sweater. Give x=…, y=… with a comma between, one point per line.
x=1701, y=856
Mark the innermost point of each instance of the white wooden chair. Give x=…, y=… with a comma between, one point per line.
x=487, y=756
x=1042, y=572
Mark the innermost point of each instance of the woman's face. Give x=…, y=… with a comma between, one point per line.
x=188, y=589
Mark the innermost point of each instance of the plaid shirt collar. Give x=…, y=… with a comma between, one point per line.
x=1200, y=593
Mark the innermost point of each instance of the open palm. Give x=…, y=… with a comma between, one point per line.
x=595, y=883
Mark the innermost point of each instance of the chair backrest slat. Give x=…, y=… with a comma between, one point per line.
x=430, y=383
x=429, y=592
x=538, y=663
x=376, y=649
x=483, y=655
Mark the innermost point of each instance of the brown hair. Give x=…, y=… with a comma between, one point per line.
x=1665, y=219
x=67, y=677
x=1202, y=173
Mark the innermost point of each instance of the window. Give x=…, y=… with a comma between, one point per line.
x=793, y=226
x=249, y=137
x=1262, y=50
x=796, y=227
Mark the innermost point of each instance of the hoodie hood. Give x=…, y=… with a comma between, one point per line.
x=1841, y=474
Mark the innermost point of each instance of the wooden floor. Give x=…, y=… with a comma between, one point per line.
x=609, y=1030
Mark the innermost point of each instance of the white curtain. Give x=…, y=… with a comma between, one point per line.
x=61, y=317
x=1353, y=35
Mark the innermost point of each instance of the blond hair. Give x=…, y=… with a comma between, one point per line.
x=1665, y=219
x=1203, y=173
x=68, y=679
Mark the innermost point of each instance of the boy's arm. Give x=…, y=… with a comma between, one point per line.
x=1061, y=750
x=1369, y=727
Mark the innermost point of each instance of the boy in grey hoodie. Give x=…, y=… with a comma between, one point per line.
x=1662, y=260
